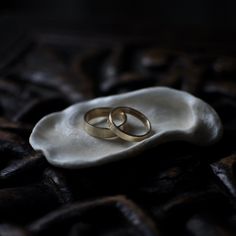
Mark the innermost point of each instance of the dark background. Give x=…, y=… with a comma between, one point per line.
x=72, y=13
x=181, y=24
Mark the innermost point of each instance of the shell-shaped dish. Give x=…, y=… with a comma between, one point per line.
x=174, y=116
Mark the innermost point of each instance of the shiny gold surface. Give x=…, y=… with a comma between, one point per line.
x=120, y=131
x=93, y=129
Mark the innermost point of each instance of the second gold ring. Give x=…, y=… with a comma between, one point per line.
x=120, y=131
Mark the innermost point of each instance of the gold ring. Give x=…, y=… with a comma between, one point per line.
x=92, y=128
x=121, y=132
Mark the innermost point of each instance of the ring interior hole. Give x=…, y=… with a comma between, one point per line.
x=132, y=125
x=101, y=121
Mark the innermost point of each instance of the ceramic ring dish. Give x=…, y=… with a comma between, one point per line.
x=174, y=116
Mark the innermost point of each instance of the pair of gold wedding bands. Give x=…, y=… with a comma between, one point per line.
x=114, y=129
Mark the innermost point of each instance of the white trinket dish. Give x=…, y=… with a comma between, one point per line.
x=174, y=115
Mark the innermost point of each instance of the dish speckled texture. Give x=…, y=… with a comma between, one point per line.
x=174, y=116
